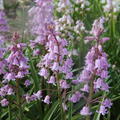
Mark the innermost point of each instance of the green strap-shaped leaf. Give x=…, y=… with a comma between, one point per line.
x=49, y=114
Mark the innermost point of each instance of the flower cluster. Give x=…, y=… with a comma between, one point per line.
x=96, y=67
x=56, y=60
x=66, y=24
x=17, y=63
x=40, y=16
x=111, y=6
x=6, y=90
x=84, y=4
x=106, y=104
x=37, y=96
x=16, y=68
x=4, y=102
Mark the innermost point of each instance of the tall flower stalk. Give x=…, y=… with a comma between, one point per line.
x=55, y=65
x=94, y=73
x=16, y=71
x=96, y=66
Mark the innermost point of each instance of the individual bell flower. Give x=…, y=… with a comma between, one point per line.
x=85, y=111
x=44, y=72
x=103, y=40
x=56, y=49
x=38, y=94
x=84, y=76
x=98, y=83
x=104, y=74
x=98, y=27
x=69, y=75
x=4, y=102
x=107, y=103
x=47, y=99
x=101, y=63
x=102, y=110
x=85, y=88
x=75, y=82
x=20, y=74
x=105, y=87
x=23, y=65
x=64, y=84
x=51, y=80
x=27, y=83
x=10, y=91
x=6, y=90
x=55, y=66
x=75, y=97
x=36, y=52
x=9, y=76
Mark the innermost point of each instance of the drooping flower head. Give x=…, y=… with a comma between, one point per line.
x=95, y=71
x=17, y=62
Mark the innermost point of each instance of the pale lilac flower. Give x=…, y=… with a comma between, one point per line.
x=28, y=98
x=64, y=84
x=85, y=111
x=84, y=76
x=85, y=88
x=55, y=66
x=3, y=62
x=33, y=97
x=47, y=99
x=27, y=83
x=103, y=40
x=98, y=83
x=98, y=27
x=17, y=62
x=4, y=102
x=75, y=97
x=101, y=63
x=107, y=103
x=104, y=107
x=104, y=74
x=10, y=76
x=44, y=72
x=38, y=94
x=75, y=82
x=105, y=87
x=36, y=52
x=103, y=110
x=51, y=80
x=6, y=90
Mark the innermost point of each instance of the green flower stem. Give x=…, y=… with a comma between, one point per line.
x=9, y=112
x=63, y=117
x=90, y=96
x=60, y=98
x=18, y=99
